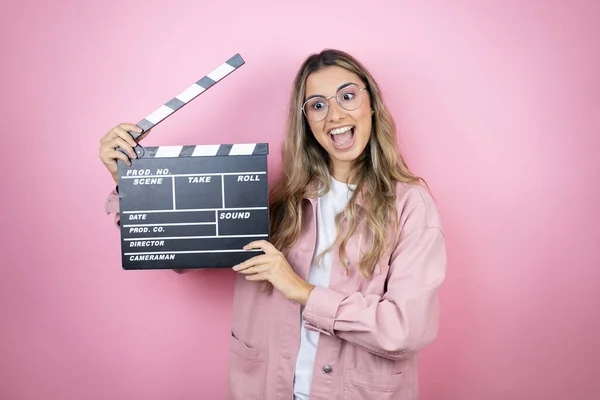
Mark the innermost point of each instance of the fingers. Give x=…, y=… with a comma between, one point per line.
x=122, y=131
x=117, y=155
x=123, y=134
x=119, y=137
x=264, y=245
x=123, y=144
x=254, y=261
x=143, y=135
x=125, y=127
x=109, y=157
x=257, y=277
x=256, y=269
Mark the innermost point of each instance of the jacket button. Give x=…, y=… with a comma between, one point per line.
x=327, y=369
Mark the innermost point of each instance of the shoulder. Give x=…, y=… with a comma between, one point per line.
x=417, y=208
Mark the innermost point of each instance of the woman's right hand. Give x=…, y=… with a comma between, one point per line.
x=117, y=137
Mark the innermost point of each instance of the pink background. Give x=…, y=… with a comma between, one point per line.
x=498, y=105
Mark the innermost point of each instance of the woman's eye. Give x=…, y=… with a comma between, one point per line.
x=348, y=96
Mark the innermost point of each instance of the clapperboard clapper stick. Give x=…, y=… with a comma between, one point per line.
x=193, y=206
x=185, y=97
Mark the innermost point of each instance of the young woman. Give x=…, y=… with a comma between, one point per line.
x=346, y=294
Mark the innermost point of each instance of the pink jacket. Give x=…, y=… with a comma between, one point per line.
x=371, y=331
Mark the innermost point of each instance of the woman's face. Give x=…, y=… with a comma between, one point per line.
x=343, y=132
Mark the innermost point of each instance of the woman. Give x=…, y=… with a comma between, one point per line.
x=346, y=294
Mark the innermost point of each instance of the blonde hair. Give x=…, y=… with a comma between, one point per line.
x=376, y=171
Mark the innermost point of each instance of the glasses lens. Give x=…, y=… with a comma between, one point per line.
x=315, y=109
x=350, y=98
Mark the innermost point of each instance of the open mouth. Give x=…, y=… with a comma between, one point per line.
x=342, y=137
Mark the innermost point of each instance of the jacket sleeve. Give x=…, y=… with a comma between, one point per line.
x=111, y=205
x=405, y=318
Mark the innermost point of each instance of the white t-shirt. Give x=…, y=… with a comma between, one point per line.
x=328, y=207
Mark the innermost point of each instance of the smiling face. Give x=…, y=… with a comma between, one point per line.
x=343, y=133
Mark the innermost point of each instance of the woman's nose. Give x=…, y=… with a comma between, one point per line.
x=335, y=111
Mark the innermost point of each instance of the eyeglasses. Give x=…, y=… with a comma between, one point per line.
x=349, y=98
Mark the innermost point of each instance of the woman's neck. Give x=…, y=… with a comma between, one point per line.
x=341, y=172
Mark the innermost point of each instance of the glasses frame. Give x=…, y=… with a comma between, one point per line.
x=336, y=99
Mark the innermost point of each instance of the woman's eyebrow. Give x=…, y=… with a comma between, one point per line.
x=338, y=89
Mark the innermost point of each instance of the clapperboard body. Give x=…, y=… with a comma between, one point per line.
x=193, y=206
x=186, y=207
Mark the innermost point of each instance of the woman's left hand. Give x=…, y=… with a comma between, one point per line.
x=273, y=267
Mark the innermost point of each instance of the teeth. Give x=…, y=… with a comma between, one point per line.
x=337, y=131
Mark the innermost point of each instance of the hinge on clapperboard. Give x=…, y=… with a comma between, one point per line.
x=184, y=98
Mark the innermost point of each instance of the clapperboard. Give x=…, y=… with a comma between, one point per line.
x=192, y=206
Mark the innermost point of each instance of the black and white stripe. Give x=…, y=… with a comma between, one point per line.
x=239, y=149
x=186, y=96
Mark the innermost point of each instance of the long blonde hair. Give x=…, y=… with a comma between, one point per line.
x=375, y=172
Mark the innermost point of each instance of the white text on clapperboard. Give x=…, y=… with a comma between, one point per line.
x=162, y=176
